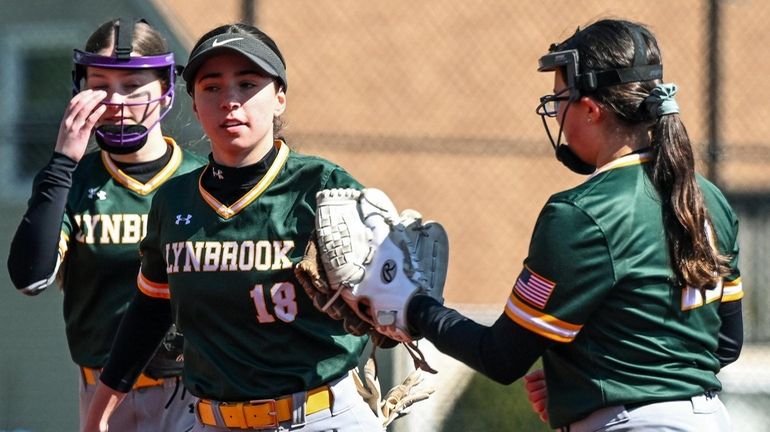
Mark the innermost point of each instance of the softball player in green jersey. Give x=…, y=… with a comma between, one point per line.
x=88, y=213
x=221, y=245
x=631, y=291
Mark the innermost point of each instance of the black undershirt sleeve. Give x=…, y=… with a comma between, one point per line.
x=147, y=319
x=34, y=248
x=730, y=332
x=503, y=352
x=140, y=333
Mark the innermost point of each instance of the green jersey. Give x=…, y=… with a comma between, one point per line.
x=105, y=218
x=251, y=332
x=598, y=279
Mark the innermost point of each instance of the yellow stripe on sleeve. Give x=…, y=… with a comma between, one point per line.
x=733, y=291
x=63, y=242
x=152, y=289
x=543, y=324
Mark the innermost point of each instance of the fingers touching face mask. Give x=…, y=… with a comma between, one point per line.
x=122, y=137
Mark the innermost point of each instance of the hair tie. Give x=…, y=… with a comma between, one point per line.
x=661, y=100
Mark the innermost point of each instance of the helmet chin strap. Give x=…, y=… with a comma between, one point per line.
x=564, y=153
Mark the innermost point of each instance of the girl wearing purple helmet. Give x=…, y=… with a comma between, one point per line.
x=88, y=212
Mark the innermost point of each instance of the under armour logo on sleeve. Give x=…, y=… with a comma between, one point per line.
x=180, y=219
x=95, y=193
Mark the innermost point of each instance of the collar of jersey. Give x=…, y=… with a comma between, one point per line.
x=152, y=184
x=228, y=212
x=624, y=161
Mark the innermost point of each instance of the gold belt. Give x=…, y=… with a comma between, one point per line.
x=258, y=414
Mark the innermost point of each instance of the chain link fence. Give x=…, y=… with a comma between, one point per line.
x=432, y=101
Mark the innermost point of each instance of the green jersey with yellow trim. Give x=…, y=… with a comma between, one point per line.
x=251, y=332
x=598, y=279
x=105, y=218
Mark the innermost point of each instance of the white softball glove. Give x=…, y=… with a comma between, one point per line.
x=376, y=259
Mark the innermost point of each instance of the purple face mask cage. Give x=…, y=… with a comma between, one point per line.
x=84, y=59
x=124, y=138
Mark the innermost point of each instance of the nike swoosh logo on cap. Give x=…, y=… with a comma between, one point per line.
x=218, y=43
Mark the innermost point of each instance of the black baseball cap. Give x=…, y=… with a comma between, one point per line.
x=245, y=44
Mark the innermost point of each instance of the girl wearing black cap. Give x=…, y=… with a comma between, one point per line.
x=87, y=213
x=220, y=250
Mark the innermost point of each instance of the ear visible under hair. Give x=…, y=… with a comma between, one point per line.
x=595, y=110
x=280, y=108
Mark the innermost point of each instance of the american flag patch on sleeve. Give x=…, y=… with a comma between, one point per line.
x=533, y=288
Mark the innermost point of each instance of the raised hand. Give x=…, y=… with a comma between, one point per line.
x=80, y=117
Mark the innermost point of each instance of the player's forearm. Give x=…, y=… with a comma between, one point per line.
x=32, y=259
x=141, y=331
x=730, y=332
x=503, y=352
x=103, y=404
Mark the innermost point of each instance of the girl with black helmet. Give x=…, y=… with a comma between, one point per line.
x=631, y=291
x=88, y=212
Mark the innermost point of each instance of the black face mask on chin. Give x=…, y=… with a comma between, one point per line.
x=119, y=139
x=570, y=160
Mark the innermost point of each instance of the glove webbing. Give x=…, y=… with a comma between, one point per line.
x=418, y=357
x=332, y=299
